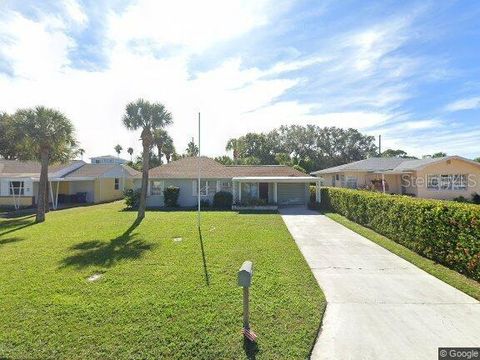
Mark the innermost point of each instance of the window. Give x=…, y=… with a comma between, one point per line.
x=447, y=182
x=203, y=188
x=337, y=177
x=225, y=186
x=117, y=183
x=351, y=182
x=250, y=190
x=156, y=187
x=17, y=188
x=432, y=182
x=460, y=182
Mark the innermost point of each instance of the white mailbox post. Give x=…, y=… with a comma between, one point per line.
x=245, y=275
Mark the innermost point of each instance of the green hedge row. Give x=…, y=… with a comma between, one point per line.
x=443, y=231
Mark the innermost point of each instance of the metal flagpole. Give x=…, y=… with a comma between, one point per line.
x=198, y=184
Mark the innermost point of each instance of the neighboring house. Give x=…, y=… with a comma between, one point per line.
x=267, y=184
x=434, y=178
x=107, y=159
x=73, y=182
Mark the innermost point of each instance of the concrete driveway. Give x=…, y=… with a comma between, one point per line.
x=379, y=305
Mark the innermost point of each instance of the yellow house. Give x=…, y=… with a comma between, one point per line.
x=71, y=183
x=443, y=178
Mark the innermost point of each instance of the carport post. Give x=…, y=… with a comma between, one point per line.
x=275, y=192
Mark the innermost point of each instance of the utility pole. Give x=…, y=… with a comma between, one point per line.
x=380, y=145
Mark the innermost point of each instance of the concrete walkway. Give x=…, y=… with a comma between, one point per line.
x=379, y=305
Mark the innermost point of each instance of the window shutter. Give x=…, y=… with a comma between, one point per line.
x=194, y=188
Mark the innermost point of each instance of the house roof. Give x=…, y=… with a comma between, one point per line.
x=187, y=168
x=95, y=170
x=72, y=169
x=30, y=168
x=388, y=165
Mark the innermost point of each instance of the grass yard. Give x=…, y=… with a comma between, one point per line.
x=152, y=300
x=451, y=277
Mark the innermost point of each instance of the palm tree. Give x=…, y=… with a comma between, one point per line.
x=233, y=145
x=160, y=136
x=48, y=137
x=146, y=116
x=130, y=151
x=168, y=148
x=192, y=149
x=81, y=152
x=118, y=149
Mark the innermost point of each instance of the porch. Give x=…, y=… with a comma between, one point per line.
x=268, y=193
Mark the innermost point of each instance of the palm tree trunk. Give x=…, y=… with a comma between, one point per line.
x=42, y=186
x=143, y=195
x=47, y=192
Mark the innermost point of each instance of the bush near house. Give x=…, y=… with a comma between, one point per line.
x=223, y=200
x=132, y=198
x=170, y=195
x=443, y=231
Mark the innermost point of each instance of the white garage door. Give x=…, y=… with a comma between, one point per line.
x=291, y=194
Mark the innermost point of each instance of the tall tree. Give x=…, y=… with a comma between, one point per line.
x=118, y=149
x=192, y=149
x=439, y=154
x=395, y=153
x=81, y=152
x=9, y=137
x=160, y=137
x=130, y=152
x=48, y=138
x=168, y=149
x=145, y=116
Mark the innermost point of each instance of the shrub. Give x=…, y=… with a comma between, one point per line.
x=204, y=203
x=170, y=196
x=476, y=198
x=443, y=231
x=461, y=199
x=223, y=200
x=132, y=198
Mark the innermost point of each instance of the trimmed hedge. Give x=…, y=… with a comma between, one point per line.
x=443, y=231
x=170, y=195
x=223, y=200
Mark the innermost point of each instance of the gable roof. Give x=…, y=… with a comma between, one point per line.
x=388, y=165
x=71, y=169
x=31, y=168
x=187, y=168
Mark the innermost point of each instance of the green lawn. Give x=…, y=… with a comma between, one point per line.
x=459, y=281
x=152, y=301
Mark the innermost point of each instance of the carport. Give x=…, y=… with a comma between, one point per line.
x=287, y=190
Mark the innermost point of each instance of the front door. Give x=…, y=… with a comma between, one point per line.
x=263, y=191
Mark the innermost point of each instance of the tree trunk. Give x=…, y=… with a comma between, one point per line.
x=143, y=194
x=160, y=155
x=47, y=192
x=42, y=186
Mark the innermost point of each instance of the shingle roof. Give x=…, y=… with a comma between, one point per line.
x=187, y=168
x=32, y=169
x=385, y=164
x=29, y=168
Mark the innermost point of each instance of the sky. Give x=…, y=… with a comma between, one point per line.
x=407, y=70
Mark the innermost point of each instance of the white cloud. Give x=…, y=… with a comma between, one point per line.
x=75, y=12
x=193, y=24
x=464, y=104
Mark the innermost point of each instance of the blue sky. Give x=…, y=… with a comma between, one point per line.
x=407, y=70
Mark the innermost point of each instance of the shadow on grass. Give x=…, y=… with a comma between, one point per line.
x=205, y=269
x=257, y=212
x=10, y=240
x=251, y=348
x=15, y=225
x=99, y=253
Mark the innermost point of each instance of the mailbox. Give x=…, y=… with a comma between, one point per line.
x=245, y=274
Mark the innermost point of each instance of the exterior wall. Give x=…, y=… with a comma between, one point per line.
x=23, y=201
x=87, y=186
x=450, y=167
x=104, y=190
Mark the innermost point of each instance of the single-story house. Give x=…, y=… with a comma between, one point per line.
x=73, y=182
x=433, y=178
x=249, y=184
